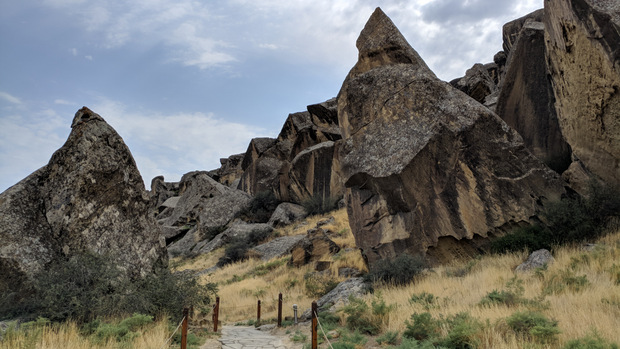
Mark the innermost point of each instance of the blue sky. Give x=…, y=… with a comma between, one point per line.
x=186, y=82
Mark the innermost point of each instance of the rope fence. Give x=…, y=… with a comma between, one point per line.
x=173, y=333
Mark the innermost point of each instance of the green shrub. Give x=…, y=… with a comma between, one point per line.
x=390, y=337
x=299, y=337
x=464, y=332
x=343, y=345
x=399, y=271
x=427, y=300
x=317, y=285
x=123, y=331
x=410, y=343
x=573, y=219
x=532, y=238
x=563, y=281
x=359, y=317
x=422, y=326
x=318, y=204
x=355, y=338
x=88, y=286
x=591, y=341
x=533, y=326
x=511, y=296
x=237, y=248
x=260, y=208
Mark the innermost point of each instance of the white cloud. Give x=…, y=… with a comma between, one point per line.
x=63, y=102
x=174, y=144
x=88, y=57
x=10, y=98
x=74, y=51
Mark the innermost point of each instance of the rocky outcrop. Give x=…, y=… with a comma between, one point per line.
x=526, y=100
x=276, y=248
x=512, y=29
x=479, y=82
x=583, y=54
x=301, y=162
x=339, y=296
x=315, y=245
x=537, y=259
x=88, y=198
x=425, y=166
x=286, y=213
x=230, y=170
x=162, y=191
x=204, y=206
x=235, y=230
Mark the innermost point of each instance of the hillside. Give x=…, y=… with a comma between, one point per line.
x=580, y=292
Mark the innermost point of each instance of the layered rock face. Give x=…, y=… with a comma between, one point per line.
x=89, y=197
x=583, y=49
x=526, y=100
x=204, y=205
x=427, y=169
x=301, y=162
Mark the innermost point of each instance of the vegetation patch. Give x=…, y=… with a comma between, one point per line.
x=398, y=271
x=318, y=204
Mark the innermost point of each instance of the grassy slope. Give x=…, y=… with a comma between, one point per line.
x=595, y=308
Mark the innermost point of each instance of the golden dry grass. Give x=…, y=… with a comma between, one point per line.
x=596, y=308
x=67, y=336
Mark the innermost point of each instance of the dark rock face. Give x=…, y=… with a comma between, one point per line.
x=230, y=172
x=300, y=163
x=583, y=55
x=311, y=248
x=526, y=100
x=162, y=191
x=479, y=82
x=89, y=197
x=204, y=205
x=424, y=164
x=512, y=29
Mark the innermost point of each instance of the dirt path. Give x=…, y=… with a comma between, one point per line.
x=248, y=337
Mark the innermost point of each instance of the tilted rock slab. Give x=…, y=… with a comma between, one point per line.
x=526, y=100
x=204, y=204
x=89, y=197
x=583, y=49
x=427, y=169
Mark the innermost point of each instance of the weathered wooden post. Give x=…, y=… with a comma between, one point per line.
x=184, y=328
x=258, y=313
x=280, y=310
x=315, y=313
x=216, y=313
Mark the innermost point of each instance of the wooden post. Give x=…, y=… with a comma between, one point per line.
x=216, y=313
x=315, y=313
x=258, y=313
x=184, y=328
x=280, y=310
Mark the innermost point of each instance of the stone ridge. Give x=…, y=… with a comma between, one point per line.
x=381, y=43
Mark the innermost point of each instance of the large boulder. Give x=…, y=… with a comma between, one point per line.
x=89, y=198
x=204, y=206
x=526, y=100
x=583, y=54
x=427, y=169
x=230, y=171
x=162, y=191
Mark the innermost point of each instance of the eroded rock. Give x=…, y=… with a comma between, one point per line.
x=422, y=161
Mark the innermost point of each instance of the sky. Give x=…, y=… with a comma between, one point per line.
x=187, y=82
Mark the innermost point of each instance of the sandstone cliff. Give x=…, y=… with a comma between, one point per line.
x=89, y=197
x=427, y=169
x=583, y=50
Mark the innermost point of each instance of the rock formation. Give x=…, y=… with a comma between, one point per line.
x=88, y=198
x=583, y=54
x=301, y=162
x=526, y=100
x=203, y=207
x=427, y=169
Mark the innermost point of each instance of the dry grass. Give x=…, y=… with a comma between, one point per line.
x=67, y=336
x=596, y=308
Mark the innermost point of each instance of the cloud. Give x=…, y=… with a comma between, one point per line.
x=10, y=98
x=174, y=144
x=63, y=102
x=88, y=57
x=74, y=51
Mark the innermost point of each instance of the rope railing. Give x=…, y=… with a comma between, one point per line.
x=173, y=333
x=322, y=330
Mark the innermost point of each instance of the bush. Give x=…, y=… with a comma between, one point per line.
x=260, y=208
x=399, y=271
x=88, y=286
x=390, y=337
x=570, y=220
x=591, y=341
x=237, y=249
x=318, y=204
x=427, y=300
x=511, y=296
x=422, y=327
x=533, y=326
x=364, y=318
x=464, y=332
x=318, y=285
x=563, y=281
